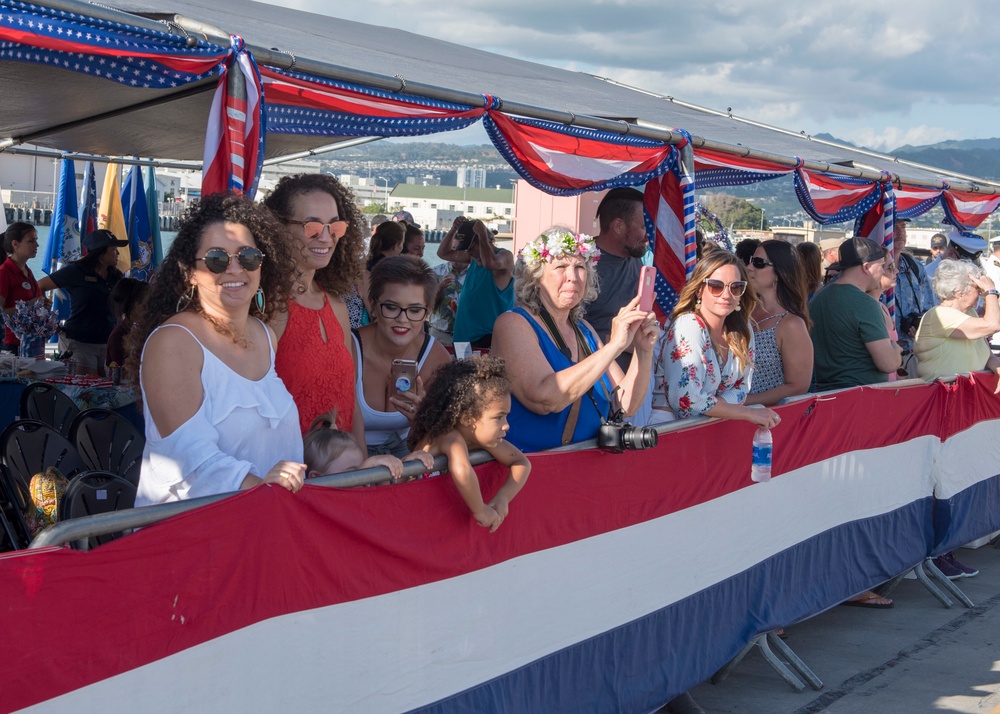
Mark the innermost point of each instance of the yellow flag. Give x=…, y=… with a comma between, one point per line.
x=111, y=216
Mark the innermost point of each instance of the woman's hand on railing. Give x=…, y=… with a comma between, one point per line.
x=287, y=474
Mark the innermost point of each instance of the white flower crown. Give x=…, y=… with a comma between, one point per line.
x=559, y=244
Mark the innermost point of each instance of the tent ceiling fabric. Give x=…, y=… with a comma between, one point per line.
x=36, y=97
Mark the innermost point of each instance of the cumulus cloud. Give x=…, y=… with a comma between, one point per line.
x=794, y=64
x=892, y=137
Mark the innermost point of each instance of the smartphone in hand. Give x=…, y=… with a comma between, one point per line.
x=403, y=376
x=647, y=279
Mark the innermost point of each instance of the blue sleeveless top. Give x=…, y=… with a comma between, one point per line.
x=534, y=432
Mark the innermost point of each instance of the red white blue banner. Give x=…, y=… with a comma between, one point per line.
x=300, y=104
x=670, y=225
x=569, y=160
x=828, y=198
x=713, y=169
x=234, y=144
x=391, y=599
x=114, y=51
x=967, y=210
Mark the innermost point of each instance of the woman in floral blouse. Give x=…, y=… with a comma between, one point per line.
x=703, y=362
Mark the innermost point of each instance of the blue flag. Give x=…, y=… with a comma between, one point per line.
x=140, y=238
x=153, y=209
x=64, y=235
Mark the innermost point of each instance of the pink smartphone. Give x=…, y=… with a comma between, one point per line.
x=647, y=278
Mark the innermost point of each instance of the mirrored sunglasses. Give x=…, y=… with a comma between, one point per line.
x=217, y=260
x=312, y=229
x=736, y=288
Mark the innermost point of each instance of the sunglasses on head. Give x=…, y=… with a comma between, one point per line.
x=759, y=263
x=313, y=229
x=717, y=287
x=217, y=260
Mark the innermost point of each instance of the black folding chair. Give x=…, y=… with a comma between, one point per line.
x=28, y=447
x=108, y=442
x=45, y=403
x=93, y=492
x=13, y=528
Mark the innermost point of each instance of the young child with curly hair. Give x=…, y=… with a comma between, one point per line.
x=465, y=408
x=328, y=450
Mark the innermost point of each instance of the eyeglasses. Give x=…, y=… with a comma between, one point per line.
x=390, y=311
x=313, y=229
x=760, y=263
x=217, y=260
x=736, y=288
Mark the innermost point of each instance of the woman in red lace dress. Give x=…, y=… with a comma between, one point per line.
x=315, y=351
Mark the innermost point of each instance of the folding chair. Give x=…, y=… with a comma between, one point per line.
x=108, y=442
x=28, y=447
x=94, y=492
x=45, y=403
x=13, y=529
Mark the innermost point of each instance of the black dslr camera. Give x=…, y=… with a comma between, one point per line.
x=617, y=435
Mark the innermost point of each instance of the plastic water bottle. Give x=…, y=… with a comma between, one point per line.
x=760, y=470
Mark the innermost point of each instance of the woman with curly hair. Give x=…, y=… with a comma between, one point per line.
x=218, y=417
x=466, y=408
x=324, y=232
x=704, y=360
x=562, y=375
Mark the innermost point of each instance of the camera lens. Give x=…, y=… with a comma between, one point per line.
x=638, y=438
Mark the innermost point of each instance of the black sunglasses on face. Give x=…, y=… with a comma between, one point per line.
x=717, y=287
x=217, y=260
x=313, y=229
x=760, y=263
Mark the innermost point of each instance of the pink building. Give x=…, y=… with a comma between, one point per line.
x=535, y=211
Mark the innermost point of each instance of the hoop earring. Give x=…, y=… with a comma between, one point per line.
x=259, y=299
x=184, y=301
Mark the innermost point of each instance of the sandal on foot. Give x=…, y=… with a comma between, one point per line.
x=870, y=600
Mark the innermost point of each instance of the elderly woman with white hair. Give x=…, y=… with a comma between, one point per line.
x=951, y=338
x=562, y=376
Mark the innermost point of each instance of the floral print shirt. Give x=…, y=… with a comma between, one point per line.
x=687, y=376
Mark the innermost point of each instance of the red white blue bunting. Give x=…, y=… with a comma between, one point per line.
x=834, y=199
x=670, y=224
x=967, y=210
x=117, y=52
x=234, y=144
x=714, y=169
x=567, y=160
x=300, y=104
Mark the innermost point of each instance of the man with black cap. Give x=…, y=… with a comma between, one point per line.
x=938, y=244
x=850, y=341
x=88, y=283
x=623, y=243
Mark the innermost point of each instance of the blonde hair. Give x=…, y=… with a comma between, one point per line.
x=323, y=443
x=737, y=323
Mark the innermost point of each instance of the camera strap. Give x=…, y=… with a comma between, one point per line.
x=584, y=348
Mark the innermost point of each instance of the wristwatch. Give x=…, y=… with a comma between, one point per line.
x=992, y=292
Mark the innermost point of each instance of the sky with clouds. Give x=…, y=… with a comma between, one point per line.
x=881, y=74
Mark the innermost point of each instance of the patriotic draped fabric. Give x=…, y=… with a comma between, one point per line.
x=300, y=104
x=120, y=53
x=877, y=224
x=670, y=217
x=568, y=160
x=234, y=146
x=834, y=199
x=967, y=210
x=713, y=169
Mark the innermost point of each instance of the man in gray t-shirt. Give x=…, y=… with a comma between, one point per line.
x=623, y=243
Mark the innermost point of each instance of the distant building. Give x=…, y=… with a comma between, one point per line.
x=436, y=207
x=471, y=178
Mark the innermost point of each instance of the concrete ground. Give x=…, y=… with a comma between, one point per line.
x=916, y=657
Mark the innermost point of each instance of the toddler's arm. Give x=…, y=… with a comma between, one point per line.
x=466, y=481
x=509, y=455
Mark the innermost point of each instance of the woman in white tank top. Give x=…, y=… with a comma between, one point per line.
x=218, y=418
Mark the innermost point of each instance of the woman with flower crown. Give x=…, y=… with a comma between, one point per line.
x=562, y=376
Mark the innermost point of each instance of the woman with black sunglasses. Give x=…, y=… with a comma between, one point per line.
x=704, y=360
x=784, y=351
x=218, y=417
x=323, y=230
x=401, y=291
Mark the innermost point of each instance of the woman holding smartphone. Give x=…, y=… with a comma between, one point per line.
x=396, y=355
